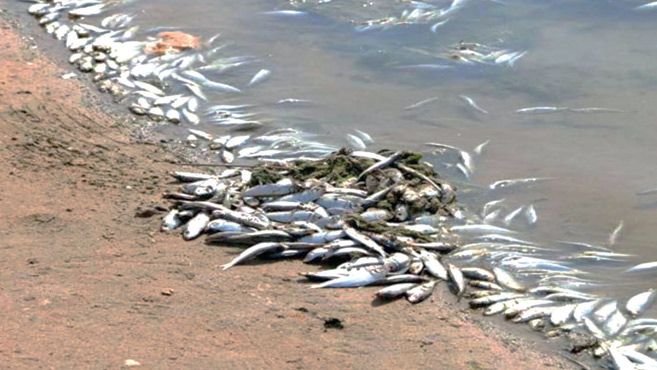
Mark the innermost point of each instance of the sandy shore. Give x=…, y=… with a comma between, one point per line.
x=89, y=282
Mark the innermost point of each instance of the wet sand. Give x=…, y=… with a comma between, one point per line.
x=89, y=282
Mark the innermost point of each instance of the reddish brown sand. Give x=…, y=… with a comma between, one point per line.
x=86, y=284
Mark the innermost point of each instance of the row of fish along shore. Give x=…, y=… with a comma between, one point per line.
x=88, y=282
x=383, y=218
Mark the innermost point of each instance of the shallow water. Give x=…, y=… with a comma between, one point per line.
x=579, y=54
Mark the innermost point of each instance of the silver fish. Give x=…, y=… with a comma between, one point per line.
x=364, y=240
x=613, y=237
x=639, y=302
x=259, y=77
x=253, y=252
x=395, y=291
x=504, y=184
x=456, y=277
x=420, y=104
x=540, y=110
x=420, y=293
x=433, y=265
x=359, y=277
x=196, y=226
x=472, y=103
x=356, y=142
x=505, y=279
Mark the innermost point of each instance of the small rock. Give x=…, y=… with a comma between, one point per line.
x=167, y=291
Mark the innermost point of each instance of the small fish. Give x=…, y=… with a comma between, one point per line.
x=434, y=28
x=562, y=314
x=285, y=12
x=433, y=265
x=191, y=117
x=364, y=240
x=357, y=278
x=420, y=293
x=613, y=237
x=87, y=11
x=472, y=103
x=196, y=90
x=647, y=6
x=512, y=215
x=480, y=148
x=420, y=104
x=530, y=213
x=259, y=77
x=356, y=142
x=367, y=139
x=503, y=184
x=253, y=252
x=505, y=279
x=196, y=226
x=395, y=291
x=647, y=192
x=643, y=267
x=478, y=273
x=539, y=110
x=639, y=302
x=456, y=277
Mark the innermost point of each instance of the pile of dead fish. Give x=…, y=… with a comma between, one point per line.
x=166, y=84
x=383, y=219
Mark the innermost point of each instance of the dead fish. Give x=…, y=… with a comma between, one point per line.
x=196, y=226
x=472, y=103
x=478, y=273
x=253, y=252
x=642, y=267
x=540, y=110
x=420, y=293
x=504, y=184
x=87, y=11
x=395, y=291
x=613, y=237
x=364, y=240
x=647, y=192
x=226, y=156
x=639, y=302
x=647, y=6
x=356, y=142
x=434, y=28
x=505, y=279
x=282, y=187
x=433, y=265
x=285, y=12
x=530, y=213
x=420, y=104
x=356, y=278
x=381, y=164
x=456, y=277
x=562, y=314
x=479, y=149
x=259, y=77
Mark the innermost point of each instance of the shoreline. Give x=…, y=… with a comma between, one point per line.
x=97, y=286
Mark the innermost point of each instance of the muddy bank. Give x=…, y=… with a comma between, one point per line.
x=89, y=282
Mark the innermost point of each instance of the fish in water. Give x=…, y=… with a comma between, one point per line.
x=259, y=77
x=472, y=103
